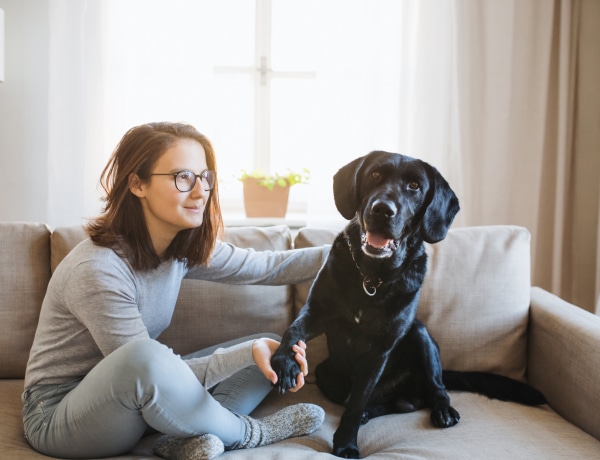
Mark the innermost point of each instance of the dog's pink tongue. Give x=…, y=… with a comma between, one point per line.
x=377, y=241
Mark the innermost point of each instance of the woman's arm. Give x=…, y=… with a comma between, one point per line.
x=102, y=296
x=224, y=362
x=233, y=265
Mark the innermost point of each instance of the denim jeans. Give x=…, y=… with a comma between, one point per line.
x=139, y=387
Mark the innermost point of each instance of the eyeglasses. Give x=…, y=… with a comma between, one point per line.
x=186, y=180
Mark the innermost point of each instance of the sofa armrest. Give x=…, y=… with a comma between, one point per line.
x=564, y=358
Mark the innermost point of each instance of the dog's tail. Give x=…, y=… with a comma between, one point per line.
x=493, y=386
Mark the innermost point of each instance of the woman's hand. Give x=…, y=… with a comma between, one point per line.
x=263, y=349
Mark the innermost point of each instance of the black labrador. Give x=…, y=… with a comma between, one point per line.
x=381, y=358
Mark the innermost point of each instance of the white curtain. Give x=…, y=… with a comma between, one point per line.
x=504, y=97
x=77, y=147
x=501, y=96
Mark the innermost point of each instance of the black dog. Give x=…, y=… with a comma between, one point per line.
x=381, y=358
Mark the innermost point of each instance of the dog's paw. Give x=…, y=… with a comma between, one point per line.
x=445, y=417
x=287, y=370
x=350, y=451
x=345, y=444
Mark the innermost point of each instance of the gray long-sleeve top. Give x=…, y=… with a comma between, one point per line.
x=97, y=302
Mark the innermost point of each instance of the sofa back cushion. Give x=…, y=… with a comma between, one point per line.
x=25, y=265
x=475, y=298
x=64, y=239
x=208, y=313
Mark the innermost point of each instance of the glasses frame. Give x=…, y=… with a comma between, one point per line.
x=202, y=175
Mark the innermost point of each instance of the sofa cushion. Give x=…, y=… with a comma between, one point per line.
x=488, y=429
x=25, y=262
x=475, y=298
x=204, y=311
x=208, y=313
x=62, y=241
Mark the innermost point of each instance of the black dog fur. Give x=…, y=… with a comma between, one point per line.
x=381, y=358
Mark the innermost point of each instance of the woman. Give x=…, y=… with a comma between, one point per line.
x=96, y=379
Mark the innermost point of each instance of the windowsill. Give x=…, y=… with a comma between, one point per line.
x=240, y=220
x=292, y=220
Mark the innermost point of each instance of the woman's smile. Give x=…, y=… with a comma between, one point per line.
x=196, y=209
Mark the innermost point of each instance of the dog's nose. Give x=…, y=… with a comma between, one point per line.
x=384, y=208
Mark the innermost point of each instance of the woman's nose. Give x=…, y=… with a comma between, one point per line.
x=198, y=191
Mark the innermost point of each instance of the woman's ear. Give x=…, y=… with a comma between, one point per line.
x=136, y=186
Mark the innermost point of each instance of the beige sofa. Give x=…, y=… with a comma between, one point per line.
x=477, y=302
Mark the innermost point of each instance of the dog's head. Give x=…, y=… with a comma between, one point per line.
x=394, y=196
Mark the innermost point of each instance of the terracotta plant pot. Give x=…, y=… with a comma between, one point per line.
x=259, y=201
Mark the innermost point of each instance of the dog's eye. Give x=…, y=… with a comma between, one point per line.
x=376, y=176
x=414, y=186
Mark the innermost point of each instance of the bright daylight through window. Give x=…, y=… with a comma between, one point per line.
x=278, y=85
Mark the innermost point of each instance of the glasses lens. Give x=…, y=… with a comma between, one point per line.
x=185, y=181
x=207, y=179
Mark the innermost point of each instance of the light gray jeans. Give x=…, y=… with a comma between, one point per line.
x=140, y=387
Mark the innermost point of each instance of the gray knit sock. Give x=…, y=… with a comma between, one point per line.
x=297, y=420
x=203, y=447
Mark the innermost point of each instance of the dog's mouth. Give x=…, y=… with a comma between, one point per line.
x=376, y=245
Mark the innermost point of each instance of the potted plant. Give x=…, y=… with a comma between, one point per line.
x=266, y=195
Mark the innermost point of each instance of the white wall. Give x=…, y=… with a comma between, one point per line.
x=23, y=111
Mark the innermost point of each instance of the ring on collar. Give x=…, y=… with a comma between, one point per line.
x=369, y=286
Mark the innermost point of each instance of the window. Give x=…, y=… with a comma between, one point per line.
x=274, y=84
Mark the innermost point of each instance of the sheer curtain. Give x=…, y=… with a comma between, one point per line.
x=77, y=146
x=500, y=96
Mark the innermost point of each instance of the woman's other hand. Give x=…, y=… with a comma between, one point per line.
x=263, y=349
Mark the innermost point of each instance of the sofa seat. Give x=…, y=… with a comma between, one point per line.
x=488, y=429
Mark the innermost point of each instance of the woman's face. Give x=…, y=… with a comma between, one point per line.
x=166, y=209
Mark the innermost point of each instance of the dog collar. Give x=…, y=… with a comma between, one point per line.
x=369, y=285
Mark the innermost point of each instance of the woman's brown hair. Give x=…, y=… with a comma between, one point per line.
x=122, y=226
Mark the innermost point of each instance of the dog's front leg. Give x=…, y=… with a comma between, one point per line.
x=443, y=415
x=345, y=443
x=305, y=327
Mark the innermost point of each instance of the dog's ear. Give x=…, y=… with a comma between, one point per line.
x=441, y=210
x=345, y=193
